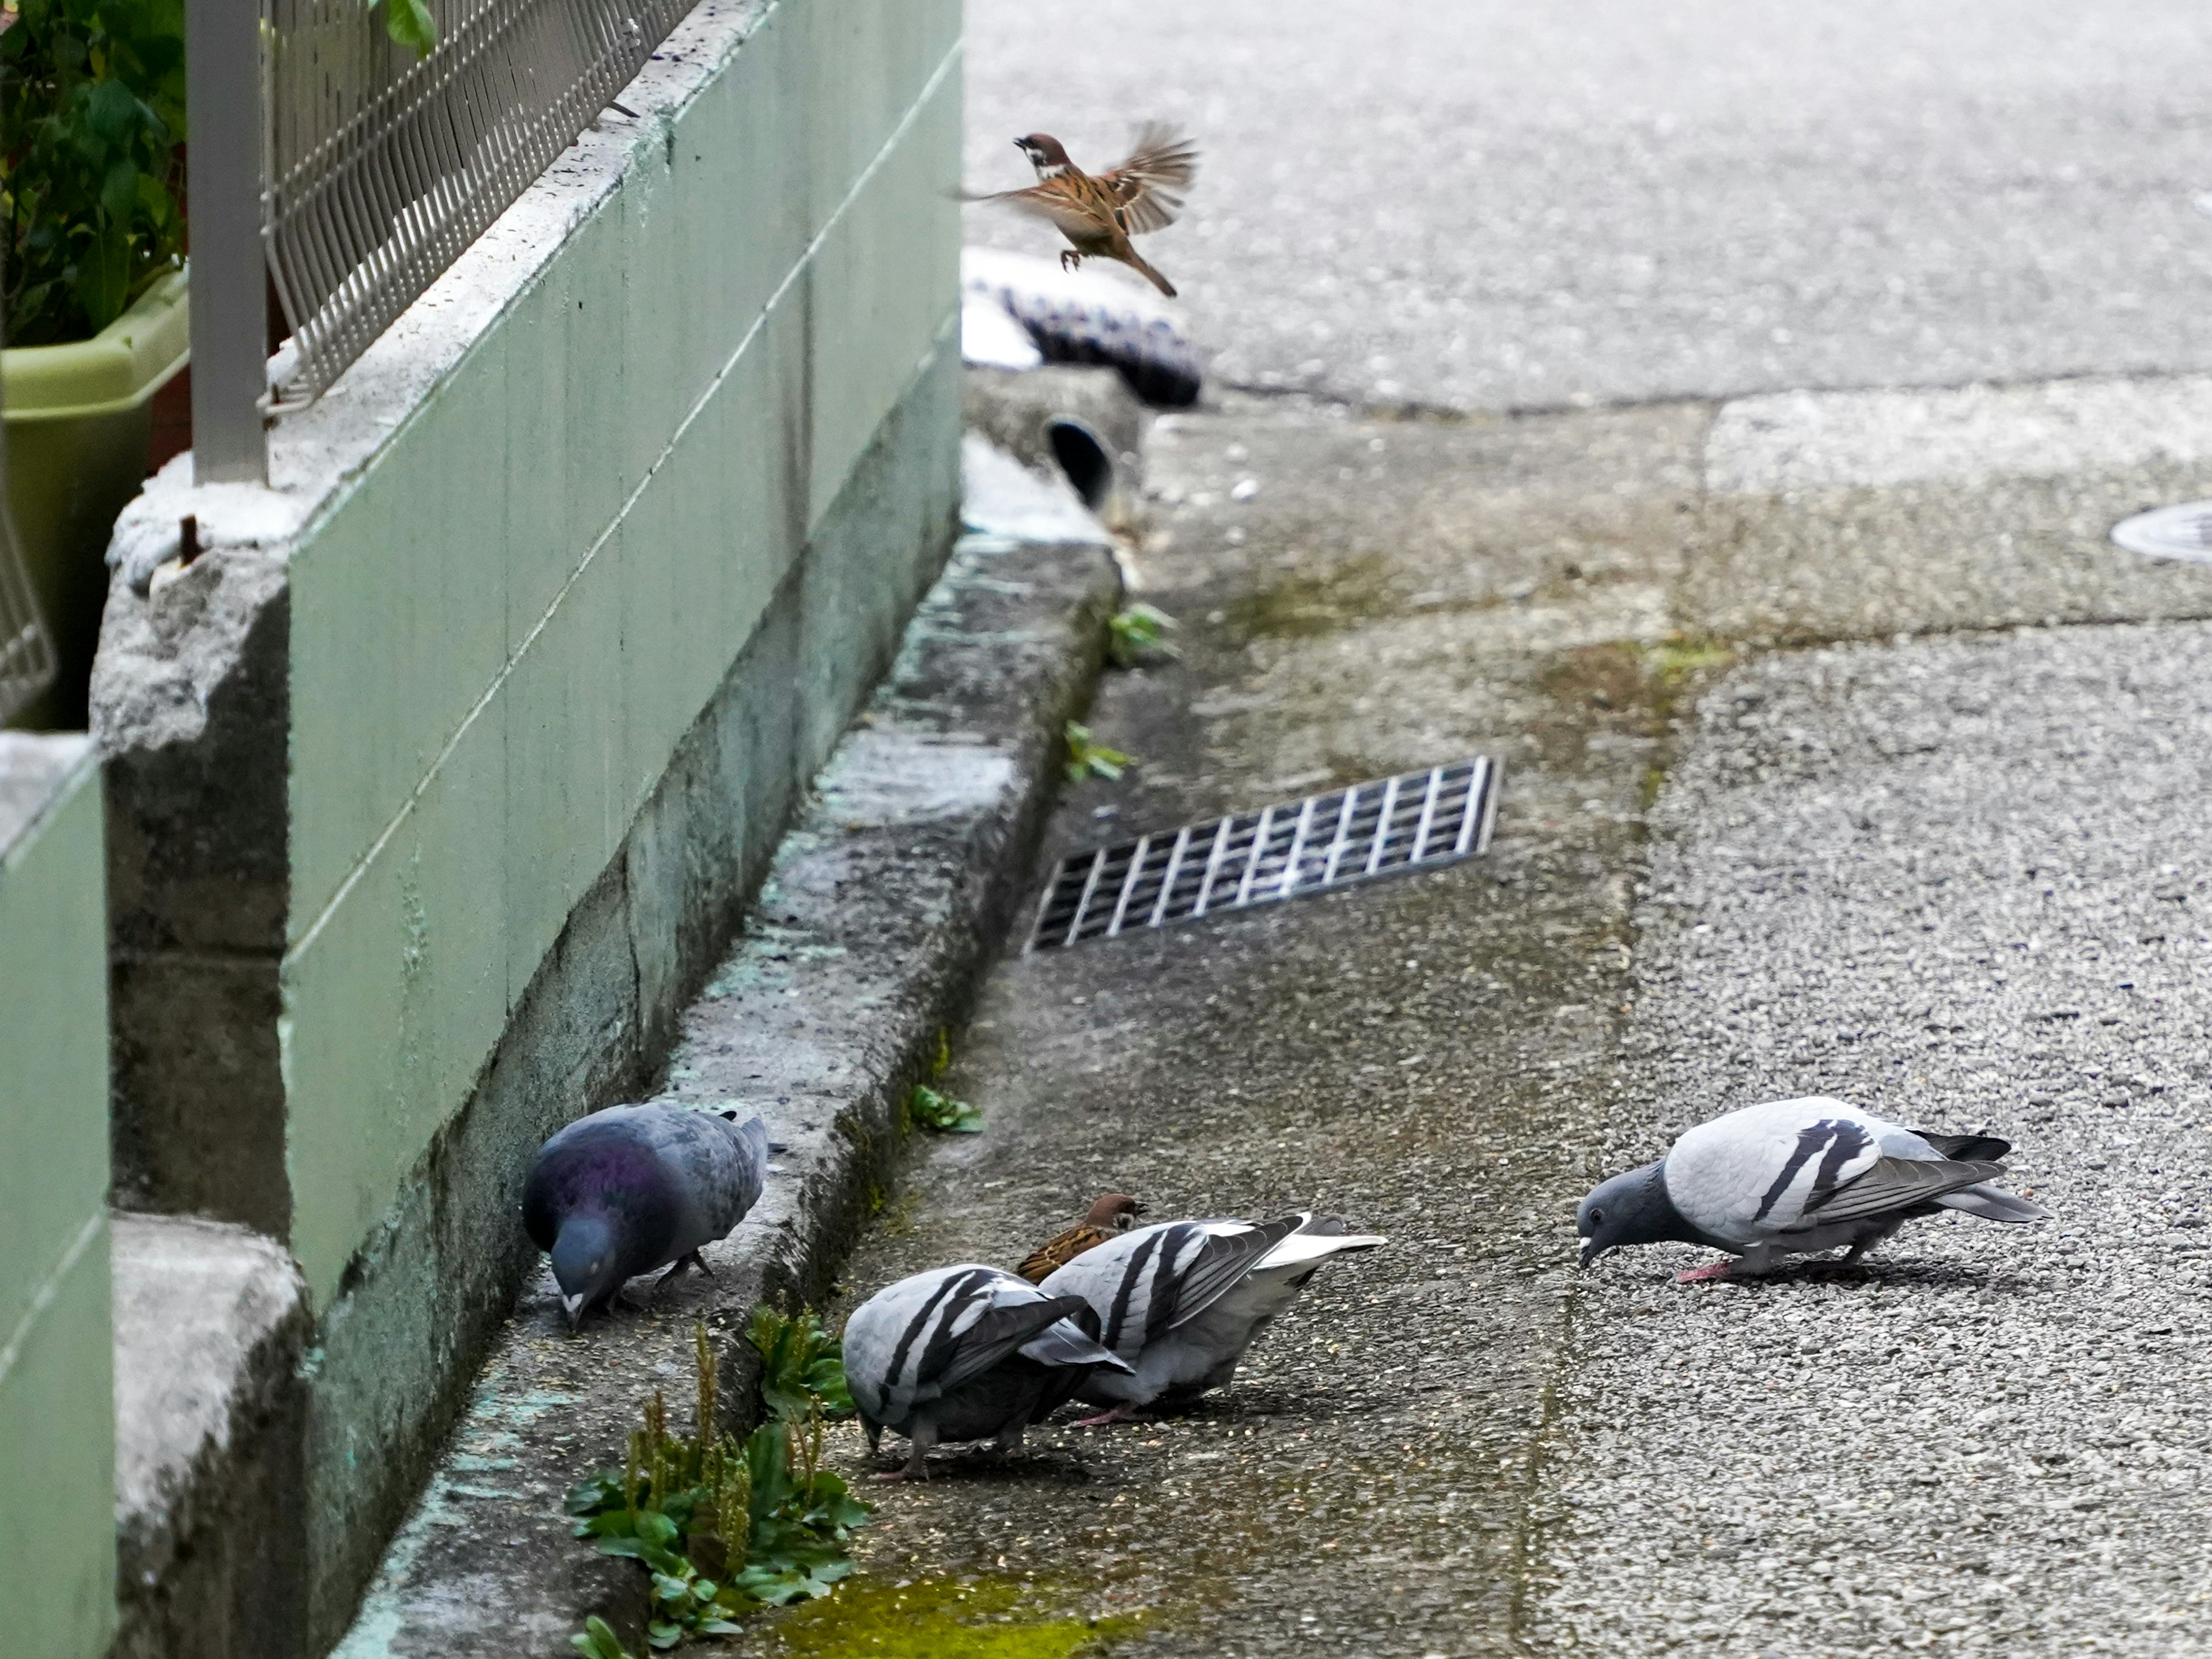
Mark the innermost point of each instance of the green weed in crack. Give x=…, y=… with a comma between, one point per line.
x=1086, y=759
x=1138, y=633
x=929, y=1109
x=724, y=1527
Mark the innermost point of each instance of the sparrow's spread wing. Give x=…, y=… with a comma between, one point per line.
x=1148, y=185
x=1083, y=207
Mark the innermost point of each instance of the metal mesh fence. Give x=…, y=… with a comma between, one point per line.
x=26, y=656
x=383, y=166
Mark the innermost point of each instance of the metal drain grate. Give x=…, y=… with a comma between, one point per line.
x=2169, y=532
x=1416, y=821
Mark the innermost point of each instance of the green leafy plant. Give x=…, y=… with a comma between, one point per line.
x=1086, y=759
x=598, y=1641
x=92, y=131
x=928, y=1109
x=409, y=23
x=1137, y=632
x=725, y=1526
x=92, y=158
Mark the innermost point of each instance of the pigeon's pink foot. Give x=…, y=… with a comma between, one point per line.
x=1706, y=1275
x=1121, y=1413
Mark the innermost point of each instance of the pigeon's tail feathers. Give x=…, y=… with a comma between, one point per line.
x=1892, y=1184
x=1321, y=1236
x=1072, y=1340
x=1992, y=1204
x=753, y=1133
x=1967, y=1149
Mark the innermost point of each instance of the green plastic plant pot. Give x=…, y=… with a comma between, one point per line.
x=80, y=418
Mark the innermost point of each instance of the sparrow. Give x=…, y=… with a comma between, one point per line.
x=1110, y=1215
x=1792, y=1176
x=1098, y=213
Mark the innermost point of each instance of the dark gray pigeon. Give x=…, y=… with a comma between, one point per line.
x=1775, y=1181
x=1180, y=1302
x=634, y=1189
x=967, y=1353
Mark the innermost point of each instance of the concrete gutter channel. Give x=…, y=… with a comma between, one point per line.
x=861, y=949
x=1719, y=875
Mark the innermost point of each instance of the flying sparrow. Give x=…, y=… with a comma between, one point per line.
x=1100, y=212
x=1110, y=1215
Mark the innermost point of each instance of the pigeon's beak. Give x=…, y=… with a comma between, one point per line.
x=1591, y=1251
x=573, y=1307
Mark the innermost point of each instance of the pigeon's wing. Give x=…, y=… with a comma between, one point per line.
x=1150, y=185
x=1974, y=1149
x=1072, y=1340
x=1744, y=1177
x=1150, y=1279
x=1891, y=1184
x=714, y=1166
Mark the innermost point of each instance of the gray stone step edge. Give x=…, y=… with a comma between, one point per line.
x=882, y=906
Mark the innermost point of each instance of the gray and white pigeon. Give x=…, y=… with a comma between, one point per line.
x=1775, y=1181
x=632, y=1188
x=1181, y=1301
x=966, y=1352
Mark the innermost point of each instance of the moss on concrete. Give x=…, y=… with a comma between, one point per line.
x=987, y=1618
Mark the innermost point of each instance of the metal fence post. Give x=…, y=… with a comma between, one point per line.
x=229, y=283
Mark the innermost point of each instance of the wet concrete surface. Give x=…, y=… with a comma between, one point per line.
x=1949, y=874
x=1426, y=1056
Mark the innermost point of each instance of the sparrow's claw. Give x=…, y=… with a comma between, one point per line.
x=1069, y=258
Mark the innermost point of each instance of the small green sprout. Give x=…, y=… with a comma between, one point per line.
x=1136, y=631
x=1086, y=759
x=724, y=1527
x=927, y=1109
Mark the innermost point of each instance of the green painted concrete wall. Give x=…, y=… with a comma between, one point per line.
x=57, y=1410
x=501, y=632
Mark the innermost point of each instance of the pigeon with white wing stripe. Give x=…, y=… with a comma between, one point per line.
x=966, y=1352
x=1181, y=1301
x=1793, y=1176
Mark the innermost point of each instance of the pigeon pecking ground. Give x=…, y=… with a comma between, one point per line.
x=1964, y=882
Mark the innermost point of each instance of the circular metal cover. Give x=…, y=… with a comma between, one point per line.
x=2183, y=531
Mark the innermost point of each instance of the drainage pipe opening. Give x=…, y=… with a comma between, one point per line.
x=1089, y=468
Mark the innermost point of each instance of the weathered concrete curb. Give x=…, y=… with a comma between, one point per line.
x=882, y=901
x=210, y=1320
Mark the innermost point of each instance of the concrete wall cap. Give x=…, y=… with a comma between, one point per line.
x=194, y=1303
x=35, y=768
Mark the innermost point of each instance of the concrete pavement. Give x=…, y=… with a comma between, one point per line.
x=1479, y=205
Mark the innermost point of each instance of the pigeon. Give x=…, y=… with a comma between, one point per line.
x=1110, y=1215
x=966, y=1352
x=1181, y=1301
x=632, y=1188
x=1769, y=1182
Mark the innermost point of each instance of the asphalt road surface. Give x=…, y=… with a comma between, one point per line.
x=1478, y=205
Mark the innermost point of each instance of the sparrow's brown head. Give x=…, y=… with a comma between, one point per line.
x=1045, y=154
x=1114, y=1210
